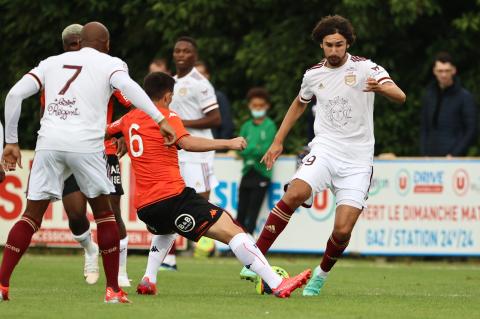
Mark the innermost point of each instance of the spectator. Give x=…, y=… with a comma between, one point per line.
x=449, y=113
x=259, y=132
x=225, y=130
x=159, y=65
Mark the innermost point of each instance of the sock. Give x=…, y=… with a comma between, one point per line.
x=17, y=243
x=250, y=256
x=123, y=255
x=85, y=240
x=158, y=250
x=334, y=250
x=108, y=243
x=276, y=222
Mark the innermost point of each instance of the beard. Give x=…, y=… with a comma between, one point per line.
x=335, y=60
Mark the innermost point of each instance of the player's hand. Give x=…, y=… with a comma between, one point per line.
x=372, y=86
x=272, y=154
x=238, y=143
x=168, y=133
x=121, y=146
x=11, y=157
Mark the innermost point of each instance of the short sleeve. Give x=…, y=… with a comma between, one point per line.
x=207, y=100
x=177, y=125
x=115, y=127
x=116, y=65
x=38, y=73
x=306, y=93
x=377, y=72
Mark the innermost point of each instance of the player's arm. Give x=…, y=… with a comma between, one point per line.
x=211, y=119
x=26, y=87
x=132, y=91
x=199, y=144
x=294, y=112
x=388, y=89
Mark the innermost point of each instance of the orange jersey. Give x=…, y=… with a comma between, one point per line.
x=110, y=149
x=157, y=173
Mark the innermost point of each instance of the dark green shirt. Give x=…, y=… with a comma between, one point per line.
x=259, y=138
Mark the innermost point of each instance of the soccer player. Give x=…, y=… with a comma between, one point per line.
x=77, y=87
x=196, y=104
x=75, y=203
x=166, y=205
x=341, y=155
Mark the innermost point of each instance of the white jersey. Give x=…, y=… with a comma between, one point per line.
x=344, y=112
x=194, y=97
x=77, y=89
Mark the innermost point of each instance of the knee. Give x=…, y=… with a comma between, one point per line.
x=342, y=233
x=294, y=198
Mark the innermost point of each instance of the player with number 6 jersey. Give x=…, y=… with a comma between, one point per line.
x=77, y=87
x=167, y=206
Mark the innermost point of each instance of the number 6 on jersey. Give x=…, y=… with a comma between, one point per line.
x=135, y=137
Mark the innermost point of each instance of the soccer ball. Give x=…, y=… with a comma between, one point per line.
x=261, y=286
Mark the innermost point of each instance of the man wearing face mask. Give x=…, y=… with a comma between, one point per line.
x=259, y=131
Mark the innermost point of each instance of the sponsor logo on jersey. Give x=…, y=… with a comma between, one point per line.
x=182, y=91
x=63, y=108
x=185, y=223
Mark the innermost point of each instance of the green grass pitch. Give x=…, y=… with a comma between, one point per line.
x=52, y=286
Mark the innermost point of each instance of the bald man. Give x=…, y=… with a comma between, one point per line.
x=75, y=203
x=77, y=87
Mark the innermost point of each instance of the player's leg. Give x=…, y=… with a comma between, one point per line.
x=351, y=194
x=18, y=241
x=115, y=197
x=297, y=193
x=226, y=231
x=75, y=204
x=45, y=183
x=123, y=280
x=159, y=248
x=90, y=172
x=313, y=176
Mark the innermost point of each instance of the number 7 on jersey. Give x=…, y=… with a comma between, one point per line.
x=77, y=69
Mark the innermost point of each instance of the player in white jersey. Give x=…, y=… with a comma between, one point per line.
x=341, y=153
x=194, y=100
x=77, y=87
x=2, y=172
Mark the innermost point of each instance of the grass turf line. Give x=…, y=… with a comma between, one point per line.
x=52, y=287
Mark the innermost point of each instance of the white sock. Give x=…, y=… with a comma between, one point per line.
x=123, y=254
x=170, y=260
x=85, y=240
x=322, y=274
x=159, y=248
x=249, y=255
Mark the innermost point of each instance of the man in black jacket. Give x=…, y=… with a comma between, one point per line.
x=449, y=113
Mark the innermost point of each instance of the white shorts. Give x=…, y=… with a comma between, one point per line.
x=348, y=182
x=51, y=168
x=198, y=176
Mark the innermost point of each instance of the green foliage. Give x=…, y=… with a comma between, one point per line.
x=257, y=43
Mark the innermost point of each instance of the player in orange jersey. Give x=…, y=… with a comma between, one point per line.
x=167, y=206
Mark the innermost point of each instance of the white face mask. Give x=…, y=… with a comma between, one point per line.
x=258, y=113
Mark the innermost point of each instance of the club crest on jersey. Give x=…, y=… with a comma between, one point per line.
x=182, y=92
x=350, y=79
